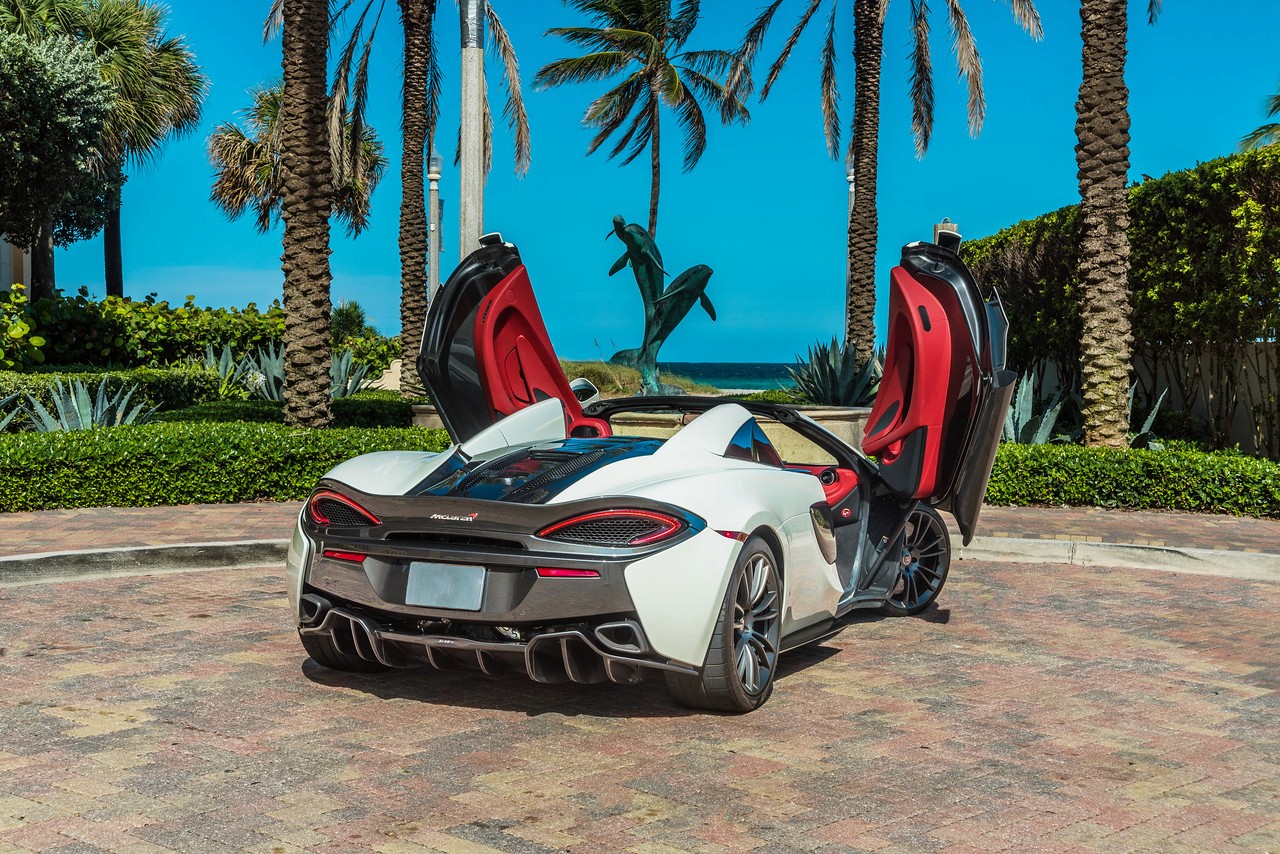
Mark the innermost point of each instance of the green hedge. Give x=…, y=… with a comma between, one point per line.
x=362, y=410
x=1135, y=479
x=167, y=388
x=169, y=464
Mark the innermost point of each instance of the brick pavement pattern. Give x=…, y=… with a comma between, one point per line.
x=1042, y=708
x=106, y=527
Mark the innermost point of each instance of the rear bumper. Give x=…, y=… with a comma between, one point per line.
x=613, y=651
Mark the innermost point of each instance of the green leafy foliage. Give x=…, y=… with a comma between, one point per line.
x=172, y=464
x=832, y=376
x=1144, y=438
x=74, y=409
x=265, y=378
x=55, y=107
x=19, y=346
x=118, y=331
x=373, y=350
x=164, y=388
x=1181, y=479
x=5, y=418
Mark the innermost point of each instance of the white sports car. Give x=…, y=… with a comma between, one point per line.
x=590, y=544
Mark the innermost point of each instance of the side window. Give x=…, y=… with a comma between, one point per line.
x=751, y=444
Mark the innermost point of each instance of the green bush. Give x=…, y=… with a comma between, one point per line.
x=19, y=346
x=123, y=332
x=373, y=350
x=169, y=464
x=365, y=409
x=1135, y=479
x=166, y=388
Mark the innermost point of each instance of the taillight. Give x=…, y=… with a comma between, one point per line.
x=617, y=528
x=563, y=572
x=329, y=508
x=354, y=557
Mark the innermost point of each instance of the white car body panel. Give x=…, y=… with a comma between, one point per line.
x=388, y=472
x=541, y=422
x=296, y=563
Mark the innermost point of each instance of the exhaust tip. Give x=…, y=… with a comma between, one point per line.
x=312, y=608
x=624, y=636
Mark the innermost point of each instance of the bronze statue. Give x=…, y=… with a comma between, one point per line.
x=663, y=309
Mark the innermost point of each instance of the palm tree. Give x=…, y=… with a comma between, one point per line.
x=306, y=163
x=421, y=110
x=157, y=86
x=644, y=41
x=1102, y=159
x=159, y=90
x=247, y=173
x=868, y=51
x=1267, y=134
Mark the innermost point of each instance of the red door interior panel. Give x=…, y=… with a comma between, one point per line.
x=514, y=351
x=842, y=481
x=930, y=371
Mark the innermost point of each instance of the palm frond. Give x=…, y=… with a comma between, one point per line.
x=1028, y=17
x=739, y=82
x=829, y=89
x=921, y=77
x=274, y=22
x=339, y=92
x=689, y=115
x=513, y=110
x=1153, y=10
x=1260, y=137
x=669, y=85
x=969, y=64
x=639, y=135
x=590, y=68
x=684, y=21
x=778, y=63
x=610, y=38
x=732, y=110
x=355, y=123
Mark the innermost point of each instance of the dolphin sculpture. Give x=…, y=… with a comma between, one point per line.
x=664, y=308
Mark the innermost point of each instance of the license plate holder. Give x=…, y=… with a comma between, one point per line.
x=456, y=586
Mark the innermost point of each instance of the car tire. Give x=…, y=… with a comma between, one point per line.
x=742, y=660
x=928, y=543
x=324, y=652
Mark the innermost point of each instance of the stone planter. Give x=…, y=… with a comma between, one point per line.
x=425, y=415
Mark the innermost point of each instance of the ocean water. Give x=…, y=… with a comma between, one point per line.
x=736, y=375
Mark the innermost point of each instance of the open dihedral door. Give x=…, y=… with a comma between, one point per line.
x=942, y=401
x=485, y=351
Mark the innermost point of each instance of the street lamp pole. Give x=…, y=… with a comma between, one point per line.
x=434, y=163
x=848, y=250
x=471, y=162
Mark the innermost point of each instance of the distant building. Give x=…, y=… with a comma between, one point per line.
x=15, y=265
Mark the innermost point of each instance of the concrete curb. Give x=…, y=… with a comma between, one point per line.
x=45, y=567
x=19, y=570
x=1255, y=566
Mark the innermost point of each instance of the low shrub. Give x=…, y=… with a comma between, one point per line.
x=20, y=347
x=195, y=463
x=622, y=381
x=1180, y=479
x=165, y=388
x=374, y=350
x=364, y=409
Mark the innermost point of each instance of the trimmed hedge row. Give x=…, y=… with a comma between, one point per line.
x=1135, y=479
x=167, y=388
x=362, y=410
x=194, y=463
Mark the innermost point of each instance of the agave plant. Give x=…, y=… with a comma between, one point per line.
x=832, y=376
x=5, y=419
x=76, y=410
x=1030, y=421
x=347, y=376
x=232, y=374
x=1143, y=438
x=264, y=372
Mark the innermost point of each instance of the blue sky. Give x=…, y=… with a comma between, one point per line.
x=766, y=207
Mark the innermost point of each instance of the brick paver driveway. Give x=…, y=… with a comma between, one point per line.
x=1043, y=708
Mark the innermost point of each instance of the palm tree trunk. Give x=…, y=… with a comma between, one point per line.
x=860, y=295
x=655, y=164
x=113, y=259
x=42, y=279
x=416, y=16
x=1102, y=158
x=308, y=194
